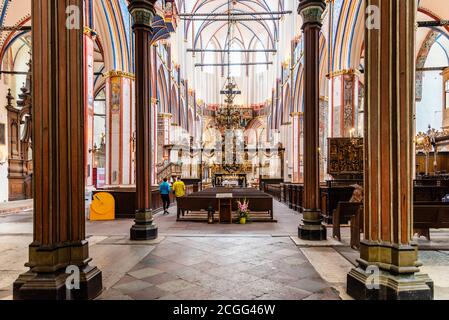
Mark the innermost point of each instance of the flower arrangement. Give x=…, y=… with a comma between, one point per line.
x=243, y=211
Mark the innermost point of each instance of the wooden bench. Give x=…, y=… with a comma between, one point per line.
x=427, y=215
x=430, y=215
x=259, y=202
x=342, y=215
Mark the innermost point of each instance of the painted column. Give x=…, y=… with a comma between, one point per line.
x=311, y=227
x=59, y=237
x=388, y=267
x=120, y=128
x=344, y=103
x=155, y=141
x=297, y=146
x=89, y=39
x=324, y=129
x=143, y=12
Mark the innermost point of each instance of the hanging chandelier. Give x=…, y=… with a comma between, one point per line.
x=229, y=117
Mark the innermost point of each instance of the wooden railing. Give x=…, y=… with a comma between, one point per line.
x=169, y=170
x=274, y=190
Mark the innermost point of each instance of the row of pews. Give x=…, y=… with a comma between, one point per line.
x=430, y=212
x=331, y=194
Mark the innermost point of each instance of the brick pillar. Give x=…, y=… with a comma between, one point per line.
x=311, y=227
x=388, y=267
x=58, y=154
x=143, y=12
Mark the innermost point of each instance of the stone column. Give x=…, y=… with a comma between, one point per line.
x=324, y=130
x=58, y=154
x=311, y=227
x=143, y=12
x=297, y=146
x=388, y=267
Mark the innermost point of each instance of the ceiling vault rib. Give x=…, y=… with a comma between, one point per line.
x=185, y=15
x=232, y=64
x=233, y=50
x=233, y=19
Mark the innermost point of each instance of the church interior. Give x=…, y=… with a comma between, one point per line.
x=304, y=145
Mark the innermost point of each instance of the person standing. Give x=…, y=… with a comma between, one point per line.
x=179, y=188
x=165, y=189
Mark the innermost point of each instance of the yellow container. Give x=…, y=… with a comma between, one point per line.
x=102, y=207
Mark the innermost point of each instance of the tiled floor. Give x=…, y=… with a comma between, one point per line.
x=215, y=267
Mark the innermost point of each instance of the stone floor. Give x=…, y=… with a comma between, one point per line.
x=200, y=261
x=261, y=267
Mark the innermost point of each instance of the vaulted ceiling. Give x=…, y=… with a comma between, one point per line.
x=249, y=33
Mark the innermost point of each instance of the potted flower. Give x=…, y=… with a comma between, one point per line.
x=243, y=211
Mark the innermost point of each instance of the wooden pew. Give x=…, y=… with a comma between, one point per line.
x=430, y=215
x=427, y=215
x=331, y=196
x=342, y=215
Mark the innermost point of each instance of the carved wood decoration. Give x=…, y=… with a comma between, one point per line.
x=20, y=169
x=345, y=156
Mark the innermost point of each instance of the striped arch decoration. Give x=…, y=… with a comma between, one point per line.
x=162, y=91
x=346, y=33
x=287, y=104
x=423, y=53
x=298, y=87
x=12, y=36
x=174, y=104
x=112, y=24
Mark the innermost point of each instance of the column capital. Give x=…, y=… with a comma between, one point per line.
x=343, y=72
x=142, y=12
x=311, y=10
x=119, y=74
x=90, y=32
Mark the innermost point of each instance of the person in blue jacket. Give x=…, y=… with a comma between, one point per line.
x=165, y=189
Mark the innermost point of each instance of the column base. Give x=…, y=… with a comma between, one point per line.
x=312, y=228
x=91, y=285
x=312, y=233
x=49, y=272
x=364, y=285
x=144, y=229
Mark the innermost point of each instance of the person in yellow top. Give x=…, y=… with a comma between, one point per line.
x=179, y=188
